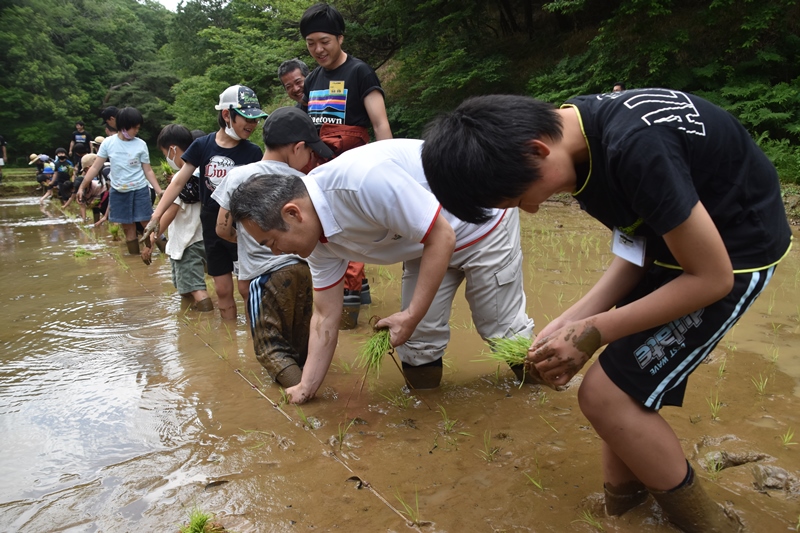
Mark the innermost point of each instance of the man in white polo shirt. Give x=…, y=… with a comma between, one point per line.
x=373, y=204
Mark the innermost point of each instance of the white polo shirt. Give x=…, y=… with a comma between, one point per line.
x=375, y=206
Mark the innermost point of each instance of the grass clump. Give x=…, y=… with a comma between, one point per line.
x=371, y=354
x=82, y=252
x=201, y=522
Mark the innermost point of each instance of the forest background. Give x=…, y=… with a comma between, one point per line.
x=63, y=61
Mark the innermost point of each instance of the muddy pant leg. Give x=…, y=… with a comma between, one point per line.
x=280, y=307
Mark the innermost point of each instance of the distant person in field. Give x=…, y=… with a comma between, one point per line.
x=4, y=157
x=129, y=195
x=79, y=136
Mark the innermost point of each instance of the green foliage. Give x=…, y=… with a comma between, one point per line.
x=80, y=56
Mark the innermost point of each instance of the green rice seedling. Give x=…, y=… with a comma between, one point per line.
x=115, y=230
x=228, y=331
x=411, y=512
x=447, y=423
x=714, y=404
x=721, y=369
x=509, y=351
x=488, y=452
x=372, y=351
x=773, y=354
x=771, y=303
x=714, y=467
x=537, y=481
x=760, y=383
x=787, y=439
x=797, y=527
x=342, y=433
x=303, y=418
x=80, y=251
x=543, y=399
x=200, y=522
x=435, y=442
x=284, y=397
x=399, y=400
x=344, y=366
x=776, y=326
x=588, y=518
x=386, y=274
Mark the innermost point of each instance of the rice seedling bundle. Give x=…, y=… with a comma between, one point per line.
x=510, y=351
x=372, y=351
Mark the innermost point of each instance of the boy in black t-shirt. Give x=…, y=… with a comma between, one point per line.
x=215, y=155
x=79, y=136
x=698, y=229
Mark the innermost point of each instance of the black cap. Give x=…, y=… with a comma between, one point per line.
x=288, y=125
x=109, y=112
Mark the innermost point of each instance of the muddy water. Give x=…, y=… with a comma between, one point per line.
x=120, y=410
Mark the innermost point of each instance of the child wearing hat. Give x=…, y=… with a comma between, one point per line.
x=215, y=155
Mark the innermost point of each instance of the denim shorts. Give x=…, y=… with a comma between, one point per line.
x=129, y=207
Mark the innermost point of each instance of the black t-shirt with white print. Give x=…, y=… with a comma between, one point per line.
x=656, y=152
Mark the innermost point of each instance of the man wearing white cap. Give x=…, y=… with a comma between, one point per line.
x=215, y=155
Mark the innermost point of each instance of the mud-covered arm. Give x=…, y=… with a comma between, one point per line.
x=707, y=277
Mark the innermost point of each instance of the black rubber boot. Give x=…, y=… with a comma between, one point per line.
x=427, y=376
x=623, y=497
x=133, y=246
x=689, y=507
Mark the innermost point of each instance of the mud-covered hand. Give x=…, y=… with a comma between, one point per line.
x=147, y=250
x=401, y=325
x=151, y=228
x=299, y=394
x=560, y=355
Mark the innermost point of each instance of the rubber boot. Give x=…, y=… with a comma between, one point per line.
x=133, y=246
x=289, y=376
x=689, y=507
x=427, y=376
x=623, y=497
x=161, y=244
x=204, y=305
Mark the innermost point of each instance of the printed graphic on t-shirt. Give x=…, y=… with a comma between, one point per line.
x=327, y=106
x=81, y=138
x=216, y=170
x=663, y=106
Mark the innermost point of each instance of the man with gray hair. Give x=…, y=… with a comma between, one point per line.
x=292, y=74
x=372, y=204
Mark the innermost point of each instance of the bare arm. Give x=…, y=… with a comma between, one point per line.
x=168, y=216
x=179, y=179
x=436, y=255
x=91, y=174
x=376, y=109
x=225, y=228
x=707, y=277
x=322, y=341
x=151, y=177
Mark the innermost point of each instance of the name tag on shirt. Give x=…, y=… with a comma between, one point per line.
x=627, y=247
x=336, y=87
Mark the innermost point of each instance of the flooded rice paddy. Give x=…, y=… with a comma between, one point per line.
x=121, y=411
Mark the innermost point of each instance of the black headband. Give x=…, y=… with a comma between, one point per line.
x=321, y=24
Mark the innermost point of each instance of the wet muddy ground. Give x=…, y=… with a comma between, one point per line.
x=121, y=411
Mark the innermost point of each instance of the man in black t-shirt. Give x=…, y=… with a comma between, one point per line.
x=79, y=136
x=698, y=229
x=344, y=97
